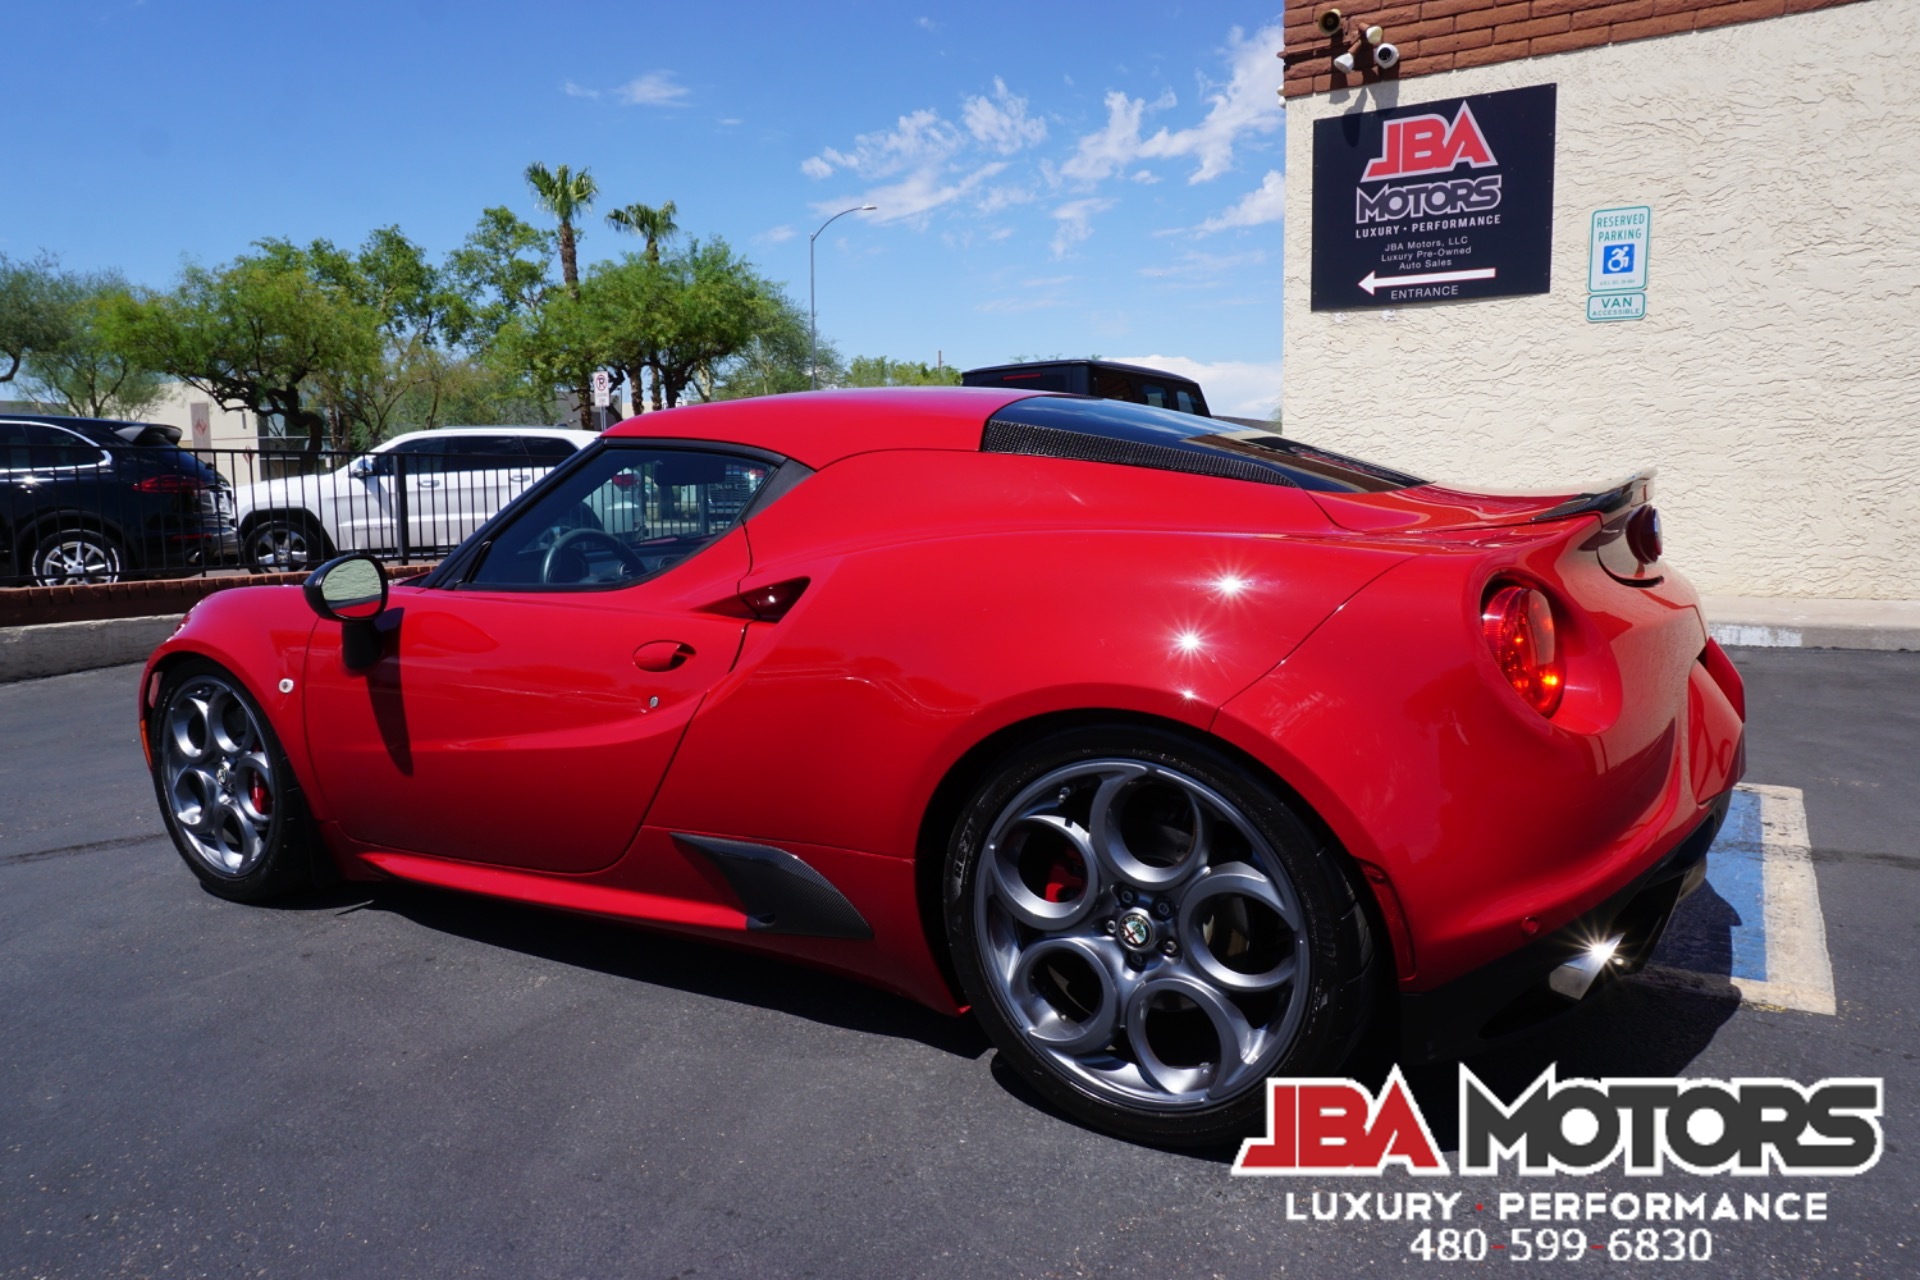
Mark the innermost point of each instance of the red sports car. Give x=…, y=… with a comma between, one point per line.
x=1181, y=754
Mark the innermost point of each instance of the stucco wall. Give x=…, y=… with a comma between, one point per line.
x=1775, y=381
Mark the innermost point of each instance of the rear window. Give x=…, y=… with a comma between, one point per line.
x=1135, y=435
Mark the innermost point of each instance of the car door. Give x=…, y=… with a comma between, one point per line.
x=526, y=715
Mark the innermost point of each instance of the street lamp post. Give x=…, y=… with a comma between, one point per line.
x=813, y=349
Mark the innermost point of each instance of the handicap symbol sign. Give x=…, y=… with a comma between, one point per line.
x=1617, y=259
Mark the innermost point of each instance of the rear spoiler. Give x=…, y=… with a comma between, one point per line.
x=148, y=433
x=1636, y=490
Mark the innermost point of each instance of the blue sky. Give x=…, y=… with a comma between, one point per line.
x=1052, y=179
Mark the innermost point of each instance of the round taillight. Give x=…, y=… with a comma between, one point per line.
x=1643, y=535
x=1518, y=624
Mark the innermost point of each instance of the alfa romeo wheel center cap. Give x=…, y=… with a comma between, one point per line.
x=1136, y=930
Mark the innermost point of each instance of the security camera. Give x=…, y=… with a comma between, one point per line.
x=1330, y=20
x=1386, y=56
x=1344, y=63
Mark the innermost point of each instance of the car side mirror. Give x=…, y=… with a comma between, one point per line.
x=362, y=468
x=351, y=590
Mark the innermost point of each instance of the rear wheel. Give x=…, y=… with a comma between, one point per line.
x=226, y=792
x=68, y=557
x=285, y=544
x=1148, y=933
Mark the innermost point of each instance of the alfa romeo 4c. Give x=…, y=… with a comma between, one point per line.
x=1182, y=755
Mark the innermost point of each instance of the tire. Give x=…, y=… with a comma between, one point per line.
x=285, y=544
x=227, y=794
x=1110, y=981
x=69, y=556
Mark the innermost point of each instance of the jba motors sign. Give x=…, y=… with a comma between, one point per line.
x=1438, y=202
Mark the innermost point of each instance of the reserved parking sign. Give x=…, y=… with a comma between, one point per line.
x=1617, y=256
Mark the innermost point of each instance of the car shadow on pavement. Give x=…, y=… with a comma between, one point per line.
x=1632, y=1029
x=632, y=952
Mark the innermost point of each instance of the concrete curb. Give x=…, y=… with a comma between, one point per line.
x=1813, y=624
x=57, y=648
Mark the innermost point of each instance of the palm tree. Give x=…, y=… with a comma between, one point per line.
x=566, y=194
x=655, y=225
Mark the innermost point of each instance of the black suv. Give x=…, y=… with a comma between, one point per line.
x=93, y=500
x=1106, y=379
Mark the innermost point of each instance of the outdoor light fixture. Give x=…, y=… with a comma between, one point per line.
x=1344, y=63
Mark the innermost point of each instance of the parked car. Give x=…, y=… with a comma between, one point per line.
x=1183, y=759
x=450, y=482
x=99, y=500
x=1107, y=379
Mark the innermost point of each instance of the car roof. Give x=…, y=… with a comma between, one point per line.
x=820, y=427
x=1025, y=365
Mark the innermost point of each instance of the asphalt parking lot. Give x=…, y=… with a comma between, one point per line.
x=420, y=1085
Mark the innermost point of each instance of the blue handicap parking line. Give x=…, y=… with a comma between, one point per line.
x=1722, y=928
x=1755, y=927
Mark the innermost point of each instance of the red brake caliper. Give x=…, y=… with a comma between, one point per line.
x=1065, y=879
x=261, y=798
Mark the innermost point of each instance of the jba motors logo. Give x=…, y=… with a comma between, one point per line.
x=1414, y=146
x=1749, y=1126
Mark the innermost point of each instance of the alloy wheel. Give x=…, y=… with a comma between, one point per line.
x=76, y=558
x=218, y=776
x=1140, y=934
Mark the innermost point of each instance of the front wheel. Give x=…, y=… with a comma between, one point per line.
x=226, y=791
x=1148, y=933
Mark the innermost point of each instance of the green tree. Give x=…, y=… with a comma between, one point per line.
x=86, y=373
x=566, y=195
x=653, y=225
x=879, y=371
x=34, y=316
x=774, y=360
x=503, y=270
x=253, y=334
x=717, y=306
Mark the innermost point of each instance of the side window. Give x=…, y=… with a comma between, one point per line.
x=50, y=447
x=1183, y=401
x=1109, y=385
x=548, y=451
x=1154, y=394
x=13, y=446
x=486, y=453
x=627, y=514
x=425, y=456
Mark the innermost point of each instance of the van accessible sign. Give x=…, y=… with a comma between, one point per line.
x=1437, y=202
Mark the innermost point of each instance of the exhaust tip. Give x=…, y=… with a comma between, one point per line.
x=1577, y=976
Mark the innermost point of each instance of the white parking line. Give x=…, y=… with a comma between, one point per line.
x=1799, y=970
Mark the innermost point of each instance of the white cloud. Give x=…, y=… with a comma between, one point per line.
x=1234, y=388
x=1002, y=121
x=731, y=120
x=919, y=139
x=1145, y=177
x=654, y=89
x=920, y=192
x=1076, y=222
x=1265, y=203
x=777, y=235
x=573, y=90
x=1243, y=106
x=815, y=167
x=1206, y=266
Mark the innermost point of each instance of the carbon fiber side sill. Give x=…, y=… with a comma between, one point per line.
x=780, y=892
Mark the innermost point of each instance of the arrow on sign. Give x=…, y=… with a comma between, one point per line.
x=1373, y=282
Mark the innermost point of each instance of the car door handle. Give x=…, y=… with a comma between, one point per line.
x=429, y=484
x=661, y=655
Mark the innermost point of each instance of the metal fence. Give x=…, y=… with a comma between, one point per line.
x=73, y=514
